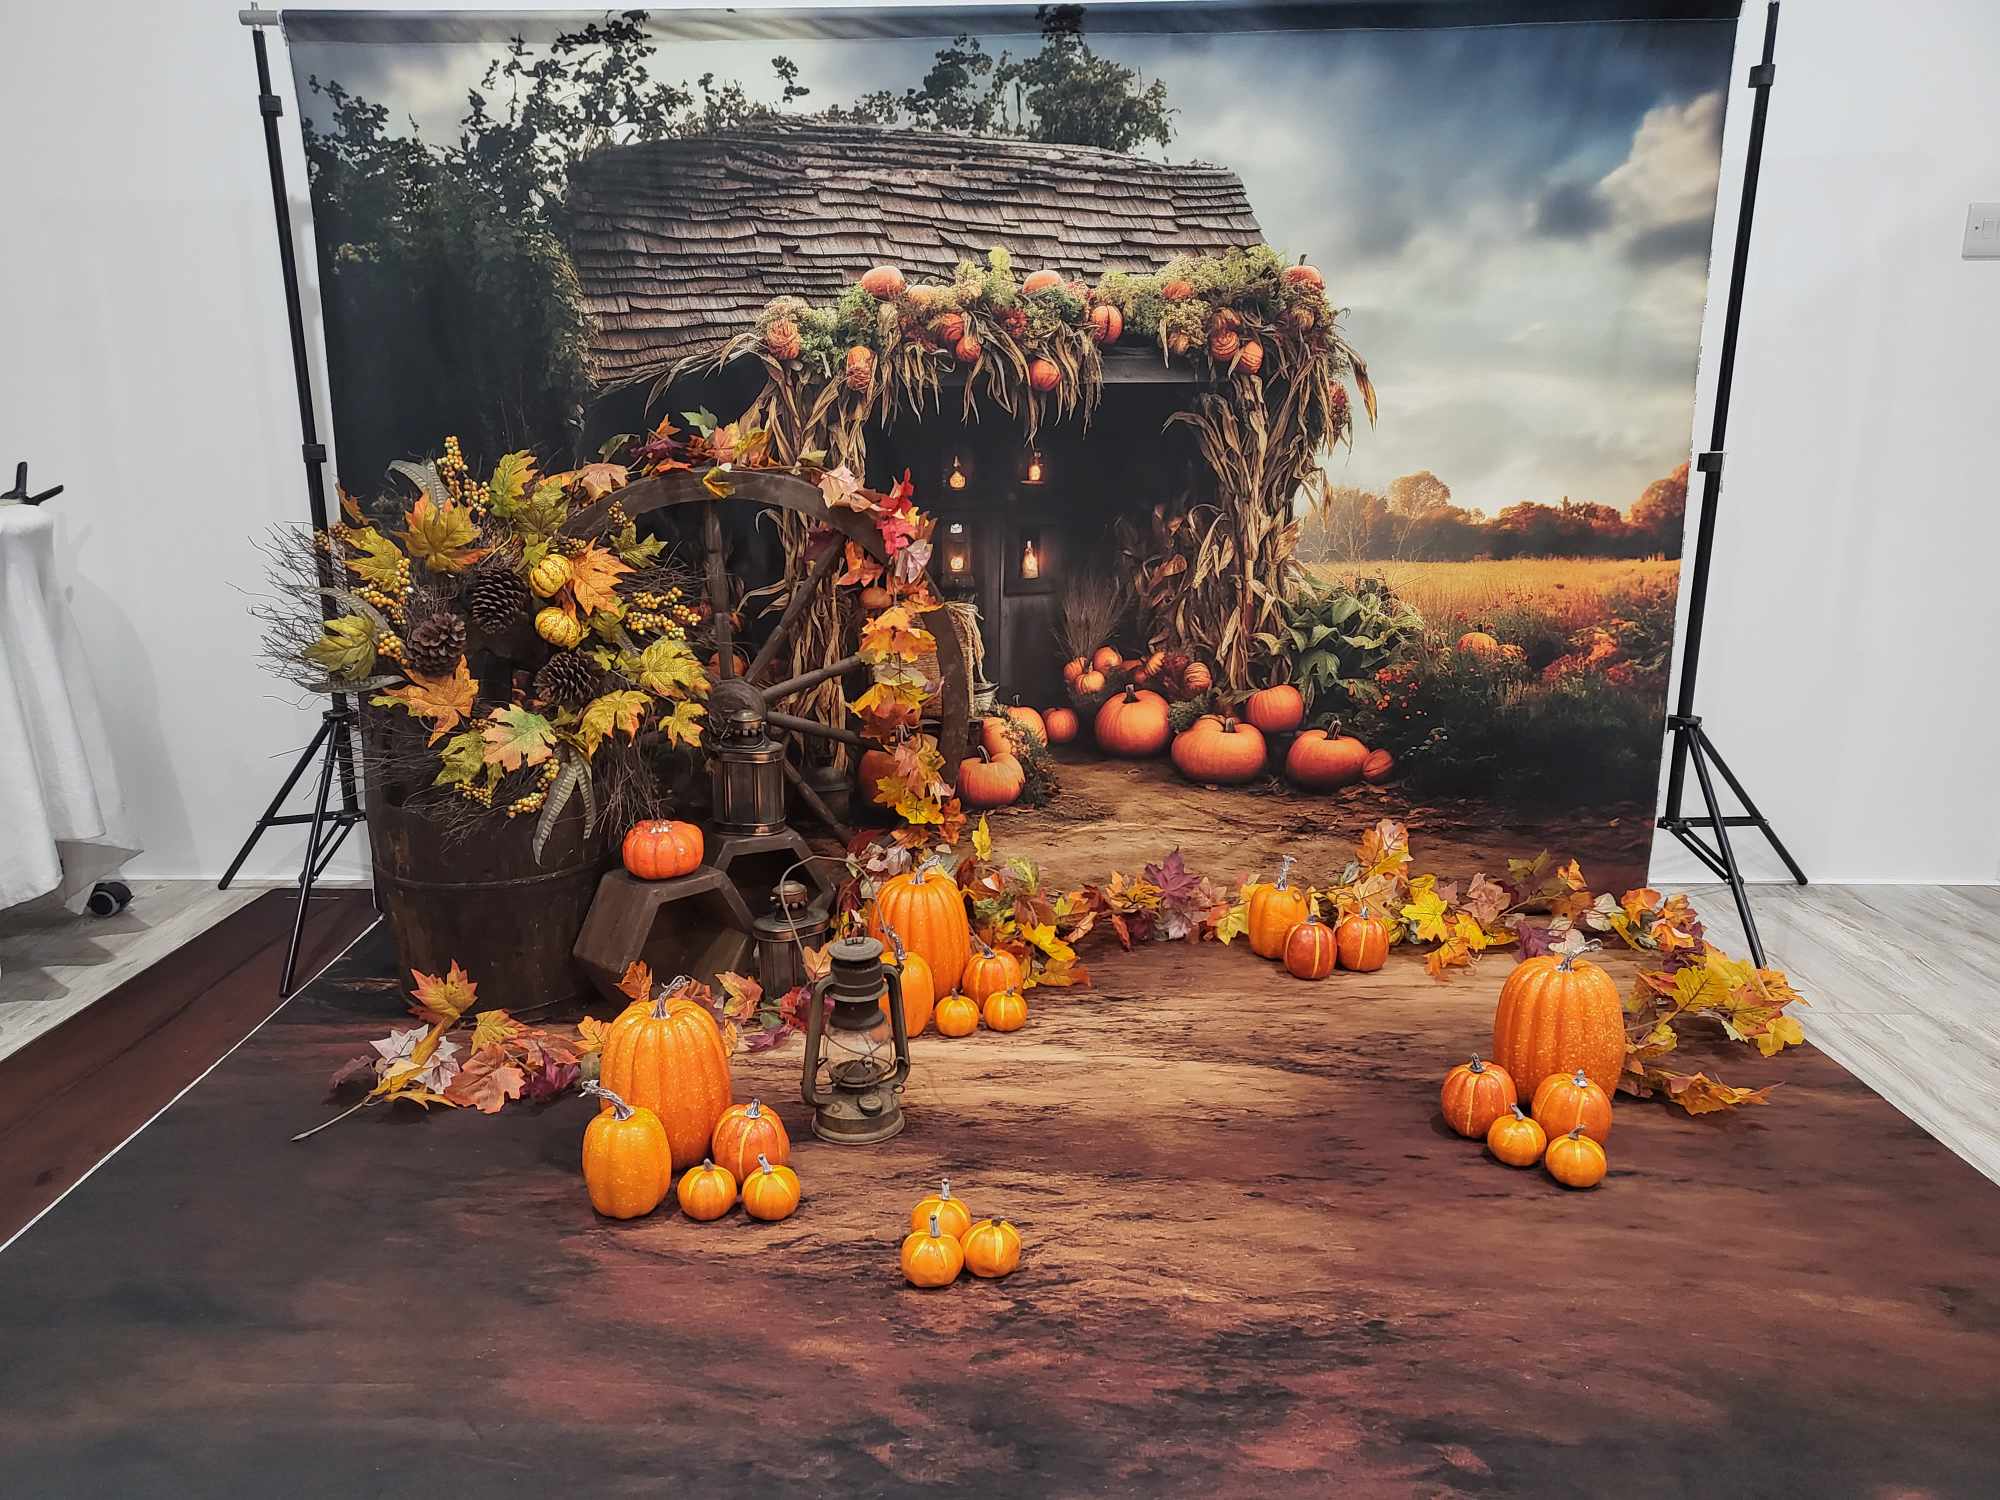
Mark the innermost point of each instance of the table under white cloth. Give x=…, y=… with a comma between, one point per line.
x=63, y=824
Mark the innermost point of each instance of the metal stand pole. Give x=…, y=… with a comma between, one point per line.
x=333, y=743
x=1691, y=743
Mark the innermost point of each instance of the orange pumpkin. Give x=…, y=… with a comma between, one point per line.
x=665, y=1054
x=1134, y=725
x=988, y=972
x=1223, y=344
x=1303, y=275
x=1043, y=374
x=1041, y=281
x=1378, y=767
x=919, y=989
x=1559, y=1015
x=627, y=1164
x=927, y=911
x=1516, y=1139
x=1475, y=1094
x=992, y=1247
x=1061, y=724
x=1105, y=659
x=1575, y=1160
x=884, y=283
x=876, y=763
x=1309, y=949
x=1107, y=323
x=989, y=780
x=1005, y=1010
x=1196, y=679
x=1572, y=1101
x=1249, y=357
x=1074, y=668
x=930, y=1257
x=957, y=1015
x=706, y=1192
x=746, y=1132
x=1276, y=710
x=1219, y=750
x=1320, y=762
x=661, y=849
x=781, y=338
x=1275, y=909
x=1363, y=941
x=860, y=367
x=953, y=1217
x=967, y=350
x=1030, y=722
x=1177, y=290
x=771, y=1192
x=1090, y=683
x=1479, y=643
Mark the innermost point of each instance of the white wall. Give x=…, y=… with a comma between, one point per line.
x=1851, y=648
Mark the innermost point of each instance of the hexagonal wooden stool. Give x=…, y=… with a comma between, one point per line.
x=707, y=931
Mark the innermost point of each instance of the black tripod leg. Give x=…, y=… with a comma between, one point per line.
x=309, y=871
x=1763, y=823
x=1735, y=873
x=257, y=830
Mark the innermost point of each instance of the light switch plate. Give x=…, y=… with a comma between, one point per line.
x=1982, y=232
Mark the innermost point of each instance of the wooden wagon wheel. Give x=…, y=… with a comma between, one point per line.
x=733, y=691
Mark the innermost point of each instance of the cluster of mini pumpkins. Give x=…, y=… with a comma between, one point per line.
x=920, y=917
x=945, y=1240
x=1173, y=674
x=1561, y=1024
x=1284, y=925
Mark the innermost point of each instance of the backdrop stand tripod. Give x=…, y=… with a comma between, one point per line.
x=333, y=744
x=1691, y=744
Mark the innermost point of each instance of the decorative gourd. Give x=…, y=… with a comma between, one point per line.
x=781, y=339
x=967, y=350
x=1276, y=710
x=627, y=1164
x=1074, y=668
x=1134, y=725
x=1005, y=1010
x=884, y=283
x=919, y=989
x=1040, y=281
x=1572, y=1101
x=1029, y=722
x=1377, y=767
x=992, y=1247
x=988, y=972
x=1196, y=679
x=661, y=849
x=1475, y=1094
x=746, y=1132
x=1303, y=275
x=1107, y=323
x=548, y=576
x=1223, y=344
x=1275, y=909
x=931, y=1257
x=1219, y=750
x=860, y=367
x=1105, y=659
x=666, y=1055
x=1043, y=374
x=1481, y=642
x=706, y=1192
x=1362, y=941
x=1516, y=1139
x=770, y=1192
x=558, y=627
x=1558, y=1015
x=948, y=327
x=1249, y=357
x=950, y=1212
x=1061, y=724
x=1309, y=949
x=1575, y=1160
x=1090, y=683
x=1320, y=762
x=927, y=911
x=989, y=780
x=957, y=1015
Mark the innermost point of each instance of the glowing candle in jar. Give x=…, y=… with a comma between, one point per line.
x=1031, y=565
x=956, y=479
x=955, y=557
x=1034, y=474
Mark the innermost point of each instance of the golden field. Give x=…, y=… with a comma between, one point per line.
x=1571, y=587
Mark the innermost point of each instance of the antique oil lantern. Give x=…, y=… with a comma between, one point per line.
x=749, y=771
x=853, y=1073
x=792, y=925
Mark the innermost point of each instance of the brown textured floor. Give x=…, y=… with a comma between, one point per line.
x=1256, y=1265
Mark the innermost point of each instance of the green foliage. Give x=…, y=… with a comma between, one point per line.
x=1340, y=633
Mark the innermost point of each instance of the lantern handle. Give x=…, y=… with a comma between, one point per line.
x=815, y=1032
x=899, y=1024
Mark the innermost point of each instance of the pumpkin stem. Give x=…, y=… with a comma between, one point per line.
x=935, y=1233
x=1284, y=872
x=944, y=1189
x=619, y=1108
x=1580, y=1078
x=765, y=1162
x=675, y=986
x=1476, y=1065
x=756, y=1109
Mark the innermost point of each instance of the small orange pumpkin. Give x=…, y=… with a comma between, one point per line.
x=1090, y=683
x=1558, y=1015
x=1475, y=1094
x=1575, y=1160
x=771, y=1192
x=1275, y=909
x=884, y=283
x=1005, y=1010
x=1107, y=323
x=919, y=989
x=1303, y=275
x=1223, y=344
x=860, y=367
x=1061, y=724
x=781, y=338
x=948, y=327
x=930, y=1257
x=1249, y=357
x=1378, y=767
x=951, y=1213
x=1276, y=710
x=1309, y=949
x=1320, y=762
x=1105, y=658
x=1572, y=1102
x=1041, y=281
x=988, y=972
x=1363, y=941
x=1481, y=642
x=992, y=1247
x=1134, y=725
x=706, y=1192
x=989, y=780
x=1196, y=679
x=1177, y=290
x=967, y=350
x=1074, y=668
x=1220, y=751
x=744, y=1133
x=957, y=1015
x=661, y=849
x=627, y=1163
x=1028, y=721
x=1516, y=1139
x=1043, y=374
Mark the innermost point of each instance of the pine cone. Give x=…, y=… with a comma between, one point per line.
x=433, y=646
x=569, y=678
x=497, y=600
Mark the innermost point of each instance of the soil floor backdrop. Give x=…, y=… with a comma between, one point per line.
x=1256, y=1264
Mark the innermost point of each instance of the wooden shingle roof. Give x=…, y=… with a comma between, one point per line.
x=679, y=244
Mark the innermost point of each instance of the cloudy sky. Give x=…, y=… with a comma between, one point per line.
x=1517, y=217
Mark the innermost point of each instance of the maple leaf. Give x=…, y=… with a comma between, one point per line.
x=462, y=759
x=442, y=537
x=717, y=484
x=1699, y=1094
x=549, y=1078
x=862, y=568
x=600, y=479
x=491, y=1028
x=683, y=725
x=442, y=1001
x=741, y=996
x=593, y=579
x=1451, y=954
x=1384, y=849
x=371, y=556
x=912, y=560
x=590, y=1035
x=345, y=650
x=893, y=703
x=667, y=668
x=512, y=476
x=1425, y=912
x=894, y=633
x=1484, y=900
x=1639, y=904
x=517, y=737
x=612, y=713
x=444, y=701
x=486, y=1082
x=843, y=491
x=1235, y=922
x=897, y=533
x=982, y=840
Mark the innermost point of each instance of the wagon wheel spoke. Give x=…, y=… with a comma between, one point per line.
x=816, y=729
x=816, y=802
x=797, y=605
x=777, y=692
x=718, y=591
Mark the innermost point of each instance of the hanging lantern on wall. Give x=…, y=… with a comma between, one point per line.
x=957, y=551
x=958, y=473
x=1031, y=562
x=1036, y=469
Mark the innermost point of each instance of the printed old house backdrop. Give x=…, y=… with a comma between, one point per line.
x=1047, y=265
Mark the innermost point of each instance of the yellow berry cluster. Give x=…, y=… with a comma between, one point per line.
x=615, y=518
x=390, y=604
x=651, y=613
x=534, y=800
x=477, y=791
x=390, y=646
x=458, y=480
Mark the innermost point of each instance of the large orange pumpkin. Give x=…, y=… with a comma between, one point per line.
x=927, y=911
x=1559, y=1015
x=989, y=780
x=1309, y=949
x=1219, y=750
x=990, y=971
x=1276, y=710
x=1363, y=940
x=1275, y=909
x=1061, y=724
x=1107, y=323
x=884, y=283
x=1133, y=725
x=919, y=988
x=1030, y=721
x=1320, y=762
x=746, y=1132
x=1572, y=1101
x=1041, y=281
x=1475, y=1094
x=660, y=849
x=1481, y=642
x=665, y=1054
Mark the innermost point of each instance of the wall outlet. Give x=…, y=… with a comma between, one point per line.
x=1982, y=232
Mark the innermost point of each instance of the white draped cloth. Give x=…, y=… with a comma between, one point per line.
x=63, y=825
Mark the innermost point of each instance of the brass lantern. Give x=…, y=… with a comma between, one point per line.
x=749, y=771
x=853, y=1074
